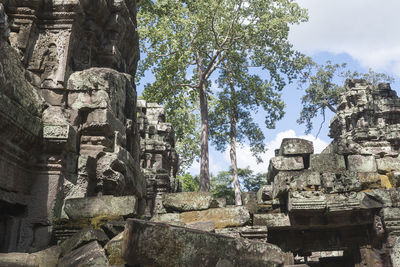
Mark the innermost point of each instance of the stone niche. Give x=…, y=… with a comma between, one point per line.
x=67, y=112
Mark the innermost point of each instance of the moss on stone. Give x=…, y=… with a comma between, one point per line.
x=98, y=221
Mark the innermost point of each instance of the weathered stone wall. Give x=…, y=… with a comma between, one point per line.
x=20, y=121
x=67, y=112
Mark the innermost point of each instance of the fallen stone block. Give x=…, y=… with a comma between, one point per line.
x=83, y=237
x=77, y=208
x=187, y=201
x=177, y=246
x=222, y=217
x=296, y=146
x=114, y=250
x=91, y=254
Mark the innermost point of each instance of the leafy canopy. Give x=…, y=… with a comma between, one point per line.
x=323, y=85
x=186, y=41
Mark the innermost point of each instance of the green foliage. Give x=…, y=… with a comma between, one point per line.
x=187, y=41
x=189, y=183
x=323, y=85
x=252, y=182
x=221, y=185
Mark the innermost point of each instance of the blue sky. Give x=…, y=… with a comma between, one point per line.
x=362, y=33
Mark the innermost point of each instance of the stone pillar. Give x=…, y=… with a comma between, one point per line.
x=158, y=156
x=391, y=219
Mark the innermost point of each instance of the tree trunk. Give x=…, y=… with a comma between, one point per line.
x=232, y=139
x=236, y=185
x=204, y=164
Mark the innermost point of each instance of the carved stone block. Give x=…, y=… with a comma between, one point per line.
x=327, y=163
x=296, y=146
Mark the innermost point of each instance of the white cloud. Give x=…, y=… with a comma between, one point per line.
x=367, y=30
x=216, y=166
x=244, y=157
x=221, y=161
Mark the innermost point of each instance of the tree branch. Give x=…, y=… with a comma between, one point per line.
x=332, y=108
x=214, y=31
x=322, y=123
x=214, y=66
x=187, y=85
x=231, y=26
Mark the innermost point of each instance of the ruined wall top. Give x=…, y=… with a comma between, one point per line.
x=367, y=119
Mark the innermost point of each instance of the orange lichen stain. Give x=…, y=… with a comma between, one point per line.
x=98, y=221
x=222, y=217
x=385, y=183
x=366, y=190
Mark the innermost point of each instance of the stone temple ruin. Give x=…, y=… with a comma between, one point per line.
x=88, y=172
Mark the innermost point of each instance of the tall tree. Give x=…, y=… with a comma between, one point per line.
x=231, y=120
x=185, y=42
x=323, y=85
